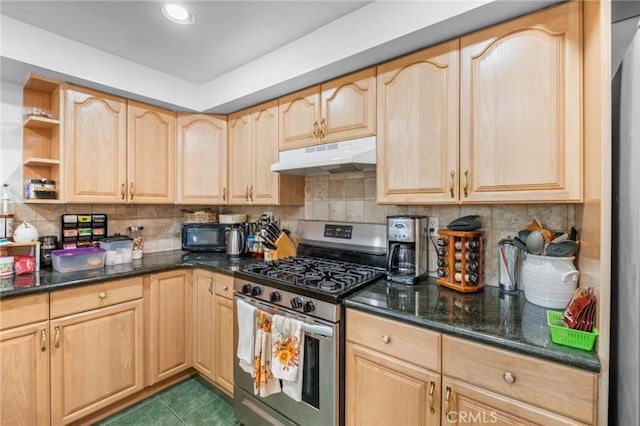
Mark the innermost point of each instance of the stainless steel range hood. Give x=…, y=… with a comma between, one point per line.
x=338, y=157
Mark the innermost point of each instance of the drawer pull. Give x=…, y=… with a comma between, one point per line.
x=225, y=288
x=451, y=186
x=386, y=339
x=447, y=398
x=43, y=340
x=102, y=295
x=210, y=285
x=56, y=343
x=509, y=377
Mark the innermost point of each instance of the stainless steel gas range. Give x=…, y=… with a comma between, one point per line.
x=333, y=260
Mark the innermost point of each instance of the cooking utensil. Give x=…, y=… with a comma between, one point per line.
x=520, y=244
x=267, y=237
x=535, y=242
x=535, y=225
x=564, y=248
x=523, y=235
x=274, y=229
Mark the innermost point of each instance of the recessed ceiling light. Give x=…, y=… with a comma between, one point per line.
x=177, y=14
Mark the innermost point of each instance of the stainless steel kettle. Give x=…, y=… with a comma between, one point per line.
x=236, y=242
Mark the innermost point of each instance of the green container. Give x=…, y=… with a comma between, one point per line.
x=569, y=337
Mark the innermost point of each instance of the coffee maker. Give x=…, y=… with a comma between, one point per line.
x=407, y=242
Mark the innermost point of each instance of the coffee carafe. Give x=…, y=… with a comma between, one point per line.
x=406, y=248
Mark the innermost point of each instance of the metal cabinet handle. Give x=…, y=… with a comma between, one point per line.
x=56, y=343
x=323, y=126
x=43, y=340
x=432, y=388
x=466, y=183
x=246, y=193
x=315, y=129
x=102, y=295
x=225, y=288
x=509, y=377
x=224, y=193
x=452, y=184
x=386, y=339
x=447, y=398
x=211, y=285
x=251, y=193
x=131, y=191
x=123, y=190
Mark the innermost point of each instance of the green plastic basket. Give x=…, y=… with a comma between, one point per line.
x=568, y=337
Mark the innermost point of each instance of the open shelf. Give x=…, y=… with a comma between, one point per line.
x=35, y=122
x=35, y=161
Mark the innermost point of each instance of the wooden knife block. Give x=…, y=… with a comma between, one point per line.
x=457, y=252
x=286, y=248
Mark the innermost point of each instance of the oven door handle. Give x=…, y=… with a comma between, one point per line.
x=319, y=330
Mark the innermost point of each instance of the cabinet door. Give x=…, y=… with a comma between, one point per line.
x=240, y=157
x=95, y=148
x=201, y=163
x=520, y=111
x=349, y=107
x=418, y=127
x=96, y=359
x=225, y=354
x=204, y=332
x=382, y=390
x=264, y=120
x=169, y=325
x=151, y=148
x=299, y=119
x=24, y=375
x=465, y=404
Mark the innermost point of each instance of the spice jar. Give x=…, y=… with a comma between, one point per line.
x=135, y=232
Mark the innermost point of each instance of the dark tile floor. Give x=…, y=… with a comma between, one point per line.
x=191, y=402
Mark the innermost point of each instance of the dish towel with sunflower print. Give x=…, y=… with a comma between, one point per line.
x=287, y=354
x=264, y=384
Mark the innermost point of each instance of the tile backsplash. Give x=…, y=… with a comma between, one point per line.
x=340, y=197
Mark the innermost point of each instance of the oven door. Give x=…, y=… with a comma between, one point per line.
x=204, y=237
x=320, y=383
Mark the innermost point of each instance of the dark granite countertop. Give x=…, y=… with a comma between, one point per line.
x=502, y=320
x=48, y=279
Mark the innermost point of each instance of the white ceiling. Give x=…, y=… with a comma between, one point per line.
x=237, y=54
x=224, y=36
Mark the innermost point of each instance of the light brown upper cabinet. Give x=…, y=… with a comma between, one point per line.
x=151, y=147
x=201, y=162
x=253, y=148
x=95, y=148
x=521, y=109
x=131, y=144
x=520, y=105
x=418, y=126
x=340, y=109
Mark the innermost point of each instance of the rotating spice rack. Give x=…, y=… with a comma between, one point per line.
x=460, y=260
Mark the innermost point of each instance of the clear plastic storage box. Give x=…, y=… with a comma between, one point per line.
x=116, y=242
x=78, y=259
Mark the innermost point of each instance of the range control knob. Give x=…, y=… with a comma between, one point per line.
x=308, y=306
x=256, y=291
x=275, y=296
x=296, y=303
x=246, y=289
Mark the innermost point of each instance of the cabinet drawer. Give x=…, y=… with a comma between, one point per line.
x=562, y=389
x=224, y=286
x=74, y=300
x=403, y=341
x=23, y=310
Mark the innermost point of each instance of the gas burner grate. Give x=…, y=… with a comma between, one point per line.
x=324, y=275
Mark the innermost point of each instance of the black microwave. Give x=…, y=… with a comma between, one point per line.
x=204, y=237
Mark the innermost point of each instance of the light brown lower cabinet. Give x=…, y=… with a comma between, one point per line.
x=24, y=360
x=169, y=325
x=390, y=377
x=213, y=353
x=466, y=404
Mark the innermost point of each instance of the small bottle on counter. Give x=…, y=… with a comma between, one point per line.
x=442, y=263
x=470, y=278
x=442, y=242
x=443, y=252
x=470, y=244
x=442, y=272
x=6, y=215
x=135, y=232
